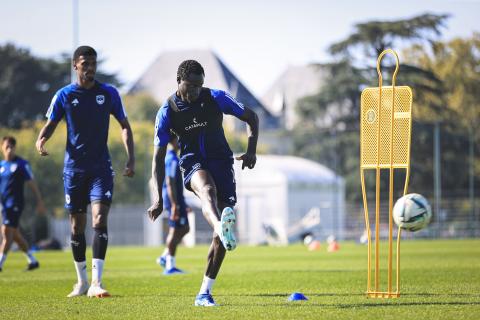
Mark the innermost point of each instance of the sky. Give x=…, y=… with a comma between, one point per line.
x=256, y=39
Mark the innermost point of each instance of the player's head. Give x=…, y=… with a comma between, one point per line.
x=190, y=77
x=85, y=63
x=8, y=147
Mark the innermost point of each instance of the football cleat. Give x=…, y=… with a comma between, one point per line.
x=162, y=261
x=172, y=271
x=32, y=266
x=96, y=291
x=227, y=235
x=79, y=289
x=205, y=300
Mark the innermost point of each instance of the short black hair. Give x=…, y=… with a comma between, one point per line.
x=84, y=51
x=188, y=67
x=10, y=140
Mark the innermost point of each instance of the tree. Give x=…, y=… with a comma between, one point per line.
x=330, y=118
x=140, y=107
x=28, y=83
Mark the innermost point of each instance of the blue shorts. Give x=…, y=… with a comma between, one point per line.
x=221, y=171
x=82, y=188
x=181, y=222
x=11, y=216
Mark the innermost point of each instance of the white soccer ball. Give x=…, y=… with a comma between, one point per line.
x=412, y=212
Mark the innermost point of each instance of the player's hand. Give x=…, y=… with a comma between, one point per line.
x=129, y=168
x=41, y=210
x=155, y=210
x=249, y=160
x=40, y=145
x=175, y=212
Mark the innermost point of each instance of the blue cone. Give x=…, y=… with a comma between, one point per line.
x=297, y=296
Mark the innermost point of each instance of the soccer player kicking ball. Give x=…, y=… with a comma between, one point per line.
x=88, y=174
x=174, y=204
x=14, y=173
x=194, y=114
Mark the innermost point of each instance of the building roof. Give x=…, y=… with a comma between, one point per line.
x=293, y=169
x=294, y=83
x=159, y=80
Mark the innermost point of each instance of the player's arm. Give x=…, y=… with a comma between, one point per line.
x=45, y=134
x=158, y=175
x=171, y=183
x=250, y=158
x=38, y=196
x=127, y=138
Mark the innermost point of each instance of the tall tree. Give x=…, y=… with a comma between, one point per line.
x=330, y=118
x=28, y=83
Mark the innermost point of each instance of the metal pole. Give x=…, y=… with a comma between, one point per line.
x=471, y=182
x=437, y=182
x=73, y=76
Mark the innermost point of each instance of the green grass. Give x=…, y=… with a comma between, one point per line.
x=440, y=280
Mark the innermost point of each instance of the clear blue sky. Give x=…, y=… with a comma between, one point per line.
x=256, y=39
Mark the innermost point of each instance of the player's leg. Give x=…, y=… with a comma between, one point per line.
x=101, y=190
x=76, y=201
x=23, y=245
x=204, y=187
x=223, y=176
x=176, y=232
x=7, y=240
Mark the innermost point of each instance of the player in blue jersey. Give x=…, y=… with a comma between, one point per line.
x=88, y=175
x=194, y=114
x=14, y=173
x=174, y=204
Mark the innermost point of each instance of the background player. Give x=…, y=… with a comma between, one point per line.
x=14, y=173
x=174, y=204
x=195, y=115
x=88, y=174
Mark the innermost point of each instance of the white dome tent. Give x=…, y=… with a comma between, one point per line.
x=282, y=190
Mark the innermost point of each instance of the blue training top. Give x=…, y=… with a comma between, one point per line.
x=87, y=112
x=172, y=170
x=13, y=175
x=198, y=124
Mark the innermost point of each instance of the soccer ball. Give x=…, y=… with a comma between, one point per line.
x=412, y=212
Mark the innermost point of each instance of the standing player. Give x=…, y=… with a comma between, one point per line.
x=88, y=174
x=14, y=173
x=195, y=115
x=174, y=204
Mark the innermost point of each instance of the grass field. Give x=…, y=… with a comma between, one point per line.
x=440, y=280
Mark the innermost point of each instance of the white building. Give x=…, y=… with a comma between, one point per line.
x=280, y=191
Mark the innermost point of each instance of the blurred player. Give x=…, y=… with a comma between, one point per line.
x=88, y=174
x=195, y=114
x=174, y=204
x=14, y=173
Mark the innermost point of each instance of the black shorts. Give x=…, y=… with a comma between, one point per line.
x=83, y=188
x=11, y=216
x=221, y=171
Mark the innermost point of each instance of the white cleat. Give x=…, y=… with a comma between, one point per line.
x=79, y=289
x=96, y=291
x=227, y=235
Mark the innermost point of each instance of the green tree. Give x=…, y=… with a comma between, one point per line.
x=28, y=83
x=140, y=107
x=329, y=128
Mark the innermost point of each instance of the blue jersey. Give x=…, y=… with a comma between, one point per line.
x=13, y=175
x=199, y=124
x=87, y=113
x=172, y=170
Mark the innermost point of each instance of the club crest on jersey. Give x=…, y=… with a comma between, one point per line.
x=100, y=99
x=75, y=102
x=13, y=167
